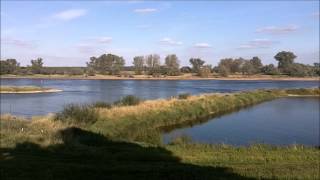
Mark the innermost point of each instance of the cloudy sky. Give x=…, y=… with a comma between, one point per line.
x=69, y=33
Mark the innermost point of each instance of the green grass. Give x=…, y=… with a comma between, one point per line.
x=146, y=121
x=123, y=142
x=21, y=88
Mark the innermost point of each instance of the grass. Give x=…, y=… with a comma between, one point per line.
x=146, y=121
x=21, y=88
x=124, y=143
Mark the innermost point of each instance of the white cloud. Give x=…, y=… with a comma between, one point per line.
x=257, y=43
x=93, y=44
x=202, y=45
x=169, y=41
x=17, y=42
x=104, y=40
x=145, y=10
x=70, y=14
x=85, y=48
x=277, y=30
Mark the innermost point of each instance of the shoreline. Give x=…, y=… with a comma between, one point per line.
x=31, y=92
x=173, y=78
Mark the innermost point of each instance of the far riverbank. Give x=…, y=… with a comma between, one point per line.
x=146, y=77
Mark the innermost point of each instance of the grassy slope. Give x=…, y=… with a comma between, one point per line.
x=46, y=148
x=146, y=121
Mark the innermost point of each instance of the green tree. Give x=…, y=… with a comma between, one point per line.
x=117, y=65
x=300, y=70
x=248, y=68
x=153, y=64
x=36, y=65
x=205, y=71
x=285, y=59
x=236, y=65
x=196, y=63
x=106, y=64
x=270, y=70
x=172, y=65
x=138, y=63
x=186, y=69
x=257, y=64
x=223, y=70
x=232, y=65
x=9, y=66
x=316, y=68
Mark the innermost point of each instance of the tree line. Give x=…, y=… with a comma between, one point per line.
x=110, y=64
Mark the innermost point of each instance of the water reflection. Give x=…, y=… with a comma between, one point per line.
x=282, y=121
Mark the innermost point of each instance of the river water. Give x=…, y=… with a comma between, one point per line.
x=87, y=91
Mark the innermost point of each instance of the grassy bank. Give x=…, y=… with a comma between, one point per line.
x=122, y=141
x=146, y=121
x=25, y=89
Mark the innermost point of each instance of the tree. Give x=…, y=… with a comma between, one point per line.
x=285, y=59
x=186, y=69
x=231, y=65
x=138, y=63
x=196, y=63
x=223, y=70
x=236, y=65
x=205, y=71
x=36, y=65
x=153, y=64
x=257, y=64
x=316, y=68
x=172, y=65
x=106, y=64
x=248, y=68
x=269, y=69
x=9, y=66
x=300, y=70
x=117, y=65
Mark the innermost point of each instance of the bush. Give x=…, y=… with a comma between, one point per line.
x=101, y=104
x=73, y=113
x=129, y=100
x=184, y=96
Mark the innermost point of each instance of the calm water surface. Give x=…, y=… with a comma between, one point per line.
x=87, y=91
x=281, y=122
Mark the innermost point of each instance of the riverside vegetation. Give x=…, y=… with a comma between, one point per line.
x=123, y=140
x=151, y=66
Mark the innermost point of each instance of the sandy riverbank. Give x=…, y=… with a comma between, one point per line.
x=26, y=90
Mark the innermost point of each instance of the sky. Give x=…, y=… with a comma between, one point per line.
x=68, y=33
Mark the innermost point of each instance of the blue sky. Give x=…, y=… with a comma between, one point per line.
x=69, y=33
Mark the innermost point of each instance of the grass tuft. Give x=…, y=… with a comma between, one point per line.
x=184, y=96
x=129, y=100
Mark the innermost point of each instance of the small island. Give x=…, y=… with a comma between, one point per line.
x=26, y=90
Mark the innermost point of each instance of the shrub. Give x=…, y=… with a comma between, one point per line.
x=101, y=104
x=129, y=100
x=184, y=96
x=73, y=113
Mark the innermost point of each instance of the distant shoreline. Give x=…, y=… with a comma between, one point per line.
x=26, y=90
x=31, y=92
x=143, y=77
